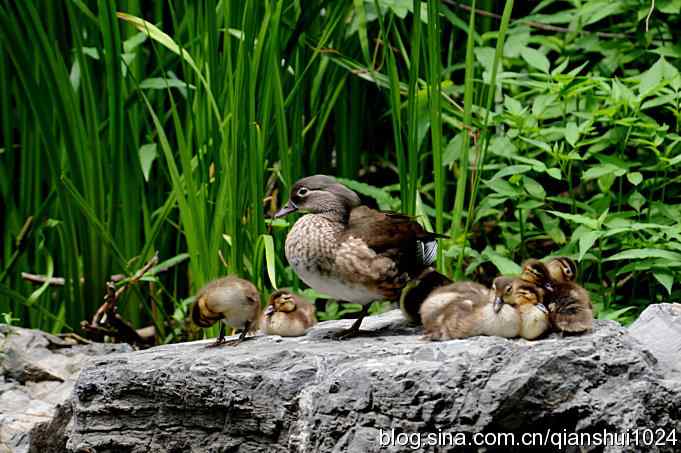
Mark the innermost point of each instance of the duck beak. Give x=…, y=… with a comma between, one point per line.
x=286, y=210
x=548, y=286
x=498, y=303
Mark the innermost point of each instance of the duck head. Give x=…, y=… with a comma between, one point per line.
x=281, y=300
x=502, y=288
x=562, y=269
x=536, y=273
x=319, y=194
x=524, y=293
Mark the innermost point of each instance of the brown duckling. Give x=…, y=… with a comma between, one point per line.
x=232, y=300
x=562, y=269
x=569, y=304
x=466, y=309
x=527, y=299
x=287, y=315
x=351, y=252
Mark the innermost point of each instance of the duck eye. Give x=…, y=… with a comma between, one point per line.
x=302, y=192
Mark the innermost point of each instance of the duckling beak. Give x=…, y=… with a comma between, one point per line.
x=543, y=308
x=498, y=303
x=548, y=286
x=269, y=311
x=286, y=210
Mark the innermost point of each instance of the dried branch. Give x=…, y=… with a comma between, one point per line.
x=106, y=320
x=40, y=279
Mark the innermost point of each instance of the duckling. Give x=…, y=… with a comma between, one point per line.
x=562, y=269
x=466, y=309
x=569, y=304
x=287, y=315
x=527, y=298
x=417, y=290
x=232, y=300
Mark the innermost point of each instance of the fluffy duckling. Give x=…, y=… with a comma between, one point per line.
x=569, y=304
x=562, y=269
x=527, y=299
x=466, y=309
x=232, y=300
x=287, y=315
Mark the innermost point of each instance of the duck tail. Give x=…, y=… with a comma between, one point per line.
x=416, y=291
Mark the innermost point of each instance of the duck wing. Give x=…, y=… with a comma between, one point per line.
x=383, y=250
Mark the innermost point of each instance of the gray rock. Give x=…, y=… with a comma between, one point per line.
x=659, y=329
x=315, y=394
x=37, y=375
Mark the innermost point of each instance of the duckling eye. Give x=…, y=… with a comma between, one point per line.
x=508, y=290
x=568, y=271
x=302, y=192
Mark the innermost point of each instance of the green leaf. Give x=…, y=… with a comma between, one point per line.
x=385, y=201
x=572, y=133
x=536, y=59
x=514, y=107
x=270, y=259
x=576, y=218
x=503, y=187
x=636, y=200
x=554, y=173
x=159, y=36
x=148, y=153
x=635, y=178
x=503, y=264
x=162, y=83
x=666, y=279
x=167, y=264
x=453, y=149
x=668, y=6
x=534, y=188
x=651, y=79
x=587, y=241
x=602, y=169
x=638, y=254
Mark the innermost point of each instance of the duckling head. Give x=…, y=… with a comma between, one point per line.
x=524, y=293
x=281, y=300
x=536, y=273
x=319, y=194
x=502, y=288
x=562, y=269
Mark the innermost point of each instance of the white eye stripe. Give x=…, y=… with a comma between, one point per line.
x=302, y=192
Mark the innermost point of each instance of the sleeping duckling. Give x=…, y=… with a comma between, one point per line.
x=232, y=300
x=466, y=309
x=527, y=299
x=287, y=315
x=569, y=304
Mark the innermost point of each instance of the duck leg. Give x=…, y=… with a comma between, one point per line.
x=221, y=337
x=242, y=336
x=353, y=331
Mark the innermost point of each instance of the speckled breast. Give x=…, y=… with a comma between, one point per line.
x=310, y=250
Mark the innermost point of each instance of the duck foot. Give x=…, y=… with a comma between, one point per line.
x=353, y=331
x=220, y=340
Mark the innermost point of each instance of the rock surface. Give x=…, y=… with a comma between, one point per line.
x=37, y=374
x=315, y=394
